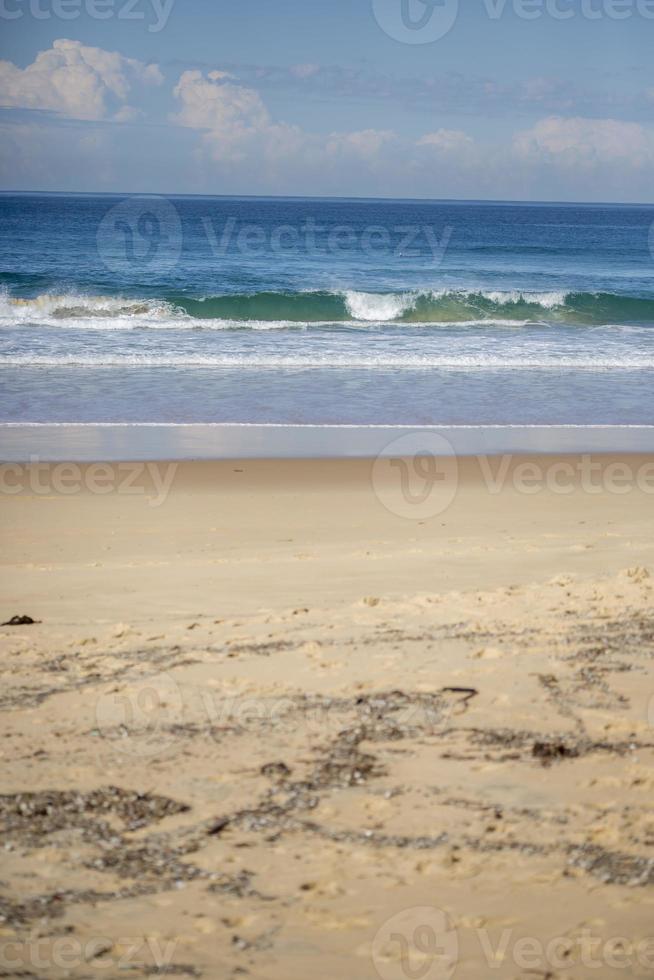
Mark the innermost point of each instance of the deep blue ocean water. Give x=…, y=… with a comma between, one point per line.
x=324, y=311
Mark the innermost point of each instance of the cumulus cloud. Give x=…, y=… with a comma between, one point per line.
x=76, y=81
x=214, y=103
x=235, y=120
x=227, y=140
x=586, y=143
x=236, y=127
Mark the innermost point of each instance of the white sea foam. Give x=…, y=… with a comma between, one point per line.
x=111, y=311
x=391, y=306
x=378, y=306
x=548, y=301
x=328, y=360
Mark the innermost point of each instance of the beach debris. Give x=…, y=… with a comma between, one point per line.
x=20, y=621
x=470, y=692
x=613, y=868
x=30, y=817
x=344, y=765
x=549, y=752
x=278, y=770
x=154, y=861
x=43, y=906
x=239, y=885
x=371, y=601
x=264, y=649
x=218, y=826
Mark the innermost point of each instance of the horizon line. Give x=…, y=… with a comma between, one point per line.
x=329, y=197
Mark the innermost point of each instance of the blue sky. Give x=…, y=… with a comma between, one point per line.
x=523, y=99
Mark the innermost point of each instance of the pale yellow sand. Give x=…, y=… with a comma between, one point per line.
x=274, y=646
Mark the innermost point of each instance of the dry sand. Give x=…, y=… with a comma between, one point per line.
x=293, y=723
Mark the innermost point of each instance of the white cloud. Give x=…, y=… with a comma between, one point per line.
x=238, y=128
x=76, y=81
x=228, y=141
x=234, y=118
x=565, y=153
x=218, y=105
x=586, y=143
x=448, y=140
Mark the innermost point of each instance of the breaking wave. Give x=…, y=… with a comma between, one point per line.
x=266, y=310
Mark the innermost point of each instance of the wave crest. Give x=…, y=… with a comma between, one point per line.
x=73, y=306
x=266, y=310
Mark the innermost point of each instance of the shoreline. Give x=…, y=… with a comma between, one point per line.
x=115, y=442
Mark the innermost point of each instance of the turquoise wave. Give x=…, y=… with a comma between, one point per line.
x=348, y=306
x=423, y=307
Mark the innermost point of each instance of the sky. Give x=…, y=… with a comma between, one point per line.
x=463, y=99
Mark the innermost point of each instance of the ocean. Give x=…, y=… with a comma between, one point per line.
x=307, y=311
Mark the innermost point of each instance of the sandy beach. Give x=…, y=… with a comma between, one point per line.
x=290, y=719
